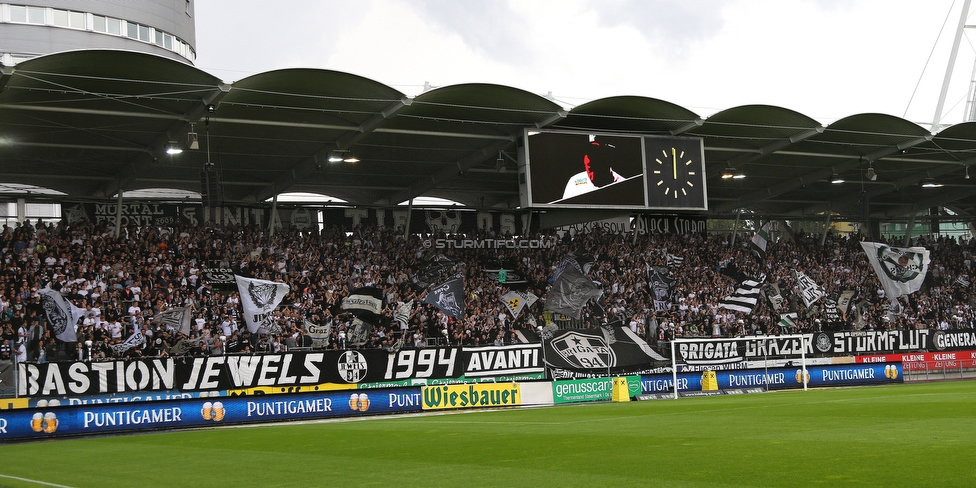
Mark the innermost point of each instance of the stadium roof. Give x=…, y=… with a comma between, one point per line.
x=89, y=123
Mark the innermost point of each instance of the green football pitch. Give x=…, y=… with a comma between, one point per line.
x=900, y=435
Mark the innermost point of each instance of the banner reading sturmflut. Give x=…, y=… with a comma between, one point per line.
x=259, y=298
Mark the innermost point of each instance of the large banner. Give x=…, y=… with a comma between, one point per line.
x=236, y=372
x=164, y=215
x=448, y=221
x=615, y=350
x=849, y=343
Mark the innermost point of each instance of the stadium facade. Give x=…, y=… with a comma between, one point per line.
x=34, y=28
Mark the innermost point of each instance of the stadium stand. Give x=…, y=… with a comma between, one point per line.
x=123, y=283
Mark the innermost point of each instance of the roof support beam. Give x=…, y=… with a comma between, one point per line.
x=130, y=173
x=420, y=187
x=307, y=166
x=814, y=176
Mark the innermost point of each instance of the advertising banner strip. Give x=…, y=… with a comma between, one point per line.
x=924, y=360
x=780, y=378
x=39, y=423
x=471, y=396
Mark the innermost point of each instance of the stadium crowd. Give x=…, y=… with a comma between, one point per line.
x=122, y=283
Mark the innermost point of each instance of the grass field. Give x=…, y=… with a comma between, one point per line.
x=901, y=435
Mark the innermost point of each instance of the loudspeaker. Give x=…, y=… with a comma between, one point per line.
x=210, y=188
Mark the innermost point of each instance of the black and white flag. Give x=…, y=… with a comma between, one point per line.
x=661, y=287
x=402, y=314
x=259, y=298
x=61, y=314
x=598, y=350
x=358, y=332
x=365, y=303
x=808, y=289
x=831, y=311
x=134, y=340
x=177, y=319
x=844, y=301
x=673, y=261
x=745, y=297
x=570, y=292
x=787, y=319
x=579, y=260
x=448, y=297
x=901, y=270
x=760, y=239
x=773, y=295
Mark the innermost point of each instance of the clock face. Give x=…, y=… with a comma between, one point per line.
x=676, y=173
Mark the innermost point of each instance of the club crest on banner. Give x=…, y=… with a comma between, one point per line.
x=262, y=294
x=899, y=264
x=352, y=366
x=583, y=351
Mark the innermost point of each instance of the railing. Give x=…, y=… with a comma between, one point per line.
x=939, y=370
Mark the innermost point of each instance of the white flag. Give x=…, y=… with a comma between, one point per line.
x=901, y=270
x=61, y=314
x=259, y=298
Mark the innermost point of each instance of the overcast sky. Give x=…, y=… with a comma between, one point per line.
x=827, y=59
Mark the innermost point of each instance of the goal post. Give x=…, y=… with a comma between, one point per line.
x=719, y=352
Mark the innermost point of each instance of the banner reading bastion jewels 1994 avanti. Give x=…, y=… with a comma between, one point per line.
x=438, y=365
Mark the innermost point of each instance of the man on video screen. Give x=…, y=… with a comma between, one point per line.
x=586, y=169
x=598, y=171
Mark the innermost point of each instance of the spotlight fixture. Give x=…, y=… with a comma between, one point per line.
x=342, y=156
x=173, y=148
x=210, y=109
x=870, y=174
x=836, y=179
x=931, y=183
x=731, y=173
x=192, y=141
x=967, y=172
x=500, y=162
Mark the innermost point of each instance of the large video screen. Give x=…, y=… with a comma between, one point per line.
x=596, y=170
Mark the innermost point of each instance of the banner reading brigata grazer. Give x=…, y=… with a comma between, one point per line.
x=236, y=372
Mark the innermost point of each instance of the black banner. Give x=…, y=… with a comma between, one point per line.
x=237, y=372
x=6, y=378
x=616, y=349
x=502, y=360
x=162, y=214
x=221, y=279
x=821, y=344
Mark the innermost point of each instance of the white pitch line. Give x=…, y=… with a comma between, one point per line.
x=36, y=482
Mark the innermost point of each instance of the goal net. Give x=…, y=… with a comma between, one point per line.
x=719, y=360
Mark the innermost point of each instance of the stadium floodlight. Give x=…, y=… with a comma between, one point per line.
x=702, y=345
